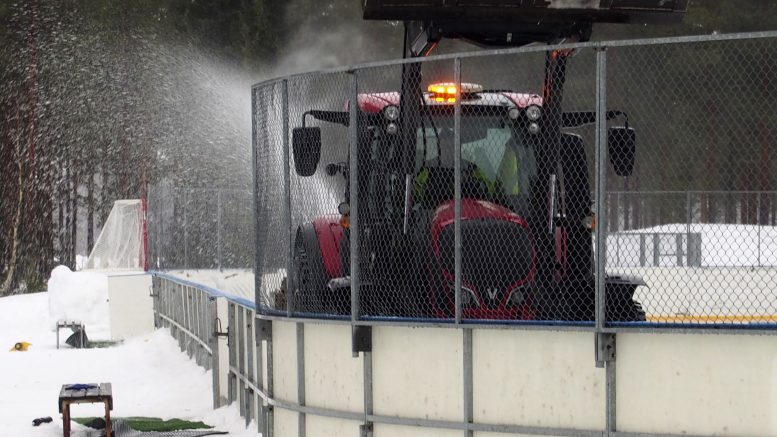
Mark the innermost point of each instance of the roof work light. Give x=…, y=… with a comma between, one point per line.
x=446, y=91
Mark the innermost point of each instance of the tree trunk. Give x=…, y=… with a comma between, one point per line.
x=90, y=213
x=9, y=278
x=74, y=221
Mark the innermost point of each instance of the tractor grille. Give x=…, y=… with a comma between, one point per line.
x=495, y=254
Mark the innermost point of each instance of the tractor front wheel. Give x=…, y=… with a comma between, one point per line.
x=310, y=278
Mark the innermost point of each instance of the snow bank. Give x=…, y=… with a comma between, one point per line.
x=80, y=296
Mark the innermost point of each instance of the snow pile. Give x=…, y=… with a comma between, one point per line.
x=81, y=296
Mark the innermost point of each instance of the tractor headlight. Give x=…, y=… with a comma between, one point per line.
x=516, y=296
x=391, y=129
x=533, y=113
x=468, y=298
x=514, y=113
x=391, y=113
x=534, y=128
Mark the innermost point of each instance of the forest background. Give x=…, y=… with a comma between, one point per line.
x=101, y=98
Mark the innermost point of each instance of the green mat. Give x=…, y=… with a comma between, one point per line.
x=145, y=424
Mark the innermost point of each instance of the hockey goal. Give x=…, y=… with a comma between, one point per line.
x=122, y=244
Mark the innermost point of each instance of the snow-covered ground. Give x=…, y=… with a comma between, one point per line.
x=150, y=376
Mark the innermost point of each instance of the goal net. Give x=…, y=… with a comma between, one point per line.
x=122, y=241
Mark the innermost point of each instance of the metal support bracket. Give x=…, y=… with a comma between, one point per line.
x=218, y=332
x=263, y=330
x=365, y=430
x=605, y=348
x=362, y=339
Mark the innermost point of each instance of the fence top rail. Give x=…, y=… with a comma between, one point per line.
x=528, y=49
x=214, y=292
x=671, y=192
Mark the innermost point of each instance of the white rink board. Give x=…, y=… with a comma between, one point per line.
x=286, y=423
x=386, y=430
x=418, y=372
x=333, y=377
x=284, y=338
x=537, y=378
x=697, y=384
x=320, y=426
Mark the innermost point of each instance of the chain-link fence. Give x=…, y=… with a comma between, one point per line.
x=473, y=187
x=195, y=228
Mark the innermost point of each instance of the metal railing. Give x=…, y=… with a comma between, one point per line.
x=216, y=330
x=438, y=232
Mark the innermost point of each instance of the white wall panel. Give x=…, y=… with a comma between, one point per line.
x=319, y=426
x=537, y=378
x=697, y=384
x=284, y=351
x=130, y=305
x=333, y=377
x=285, y=423
x=417, y=372
x=385, y=430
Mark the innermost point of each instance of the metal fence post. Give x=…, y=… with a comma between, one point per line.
x=301, y=420
x=758, y=222
x=287, y=195
x=601, y=186
x=214, y=348
x=218, y=229
x=353, y=136
x=605, y=342
x=185, y=230
x=689, y=214
x=457, y=190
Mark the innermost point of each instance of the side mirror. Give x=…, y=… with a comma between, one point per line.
x=306, y=146
x=621, y=142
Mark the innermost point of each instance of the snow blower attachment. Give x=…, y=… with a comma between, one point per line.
x=513, y=23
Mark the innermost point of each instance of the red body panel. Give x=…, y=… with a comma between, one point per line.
x=329, y=234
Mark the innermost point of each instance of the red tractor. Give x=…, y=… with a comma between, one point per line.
x=526, y=219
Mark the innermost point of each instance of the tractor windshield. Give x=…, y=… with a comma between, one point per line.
x=497, y=160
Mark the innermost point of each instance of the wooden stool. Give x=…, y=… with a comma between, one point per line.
x=96, y=393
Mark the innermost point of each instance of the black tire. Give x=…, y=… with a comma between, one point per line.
x=310, y=277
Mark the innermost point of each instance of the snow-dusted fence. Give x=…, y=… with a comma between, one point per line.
x=338, y=364
x=199, y=228
x=690, y=223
